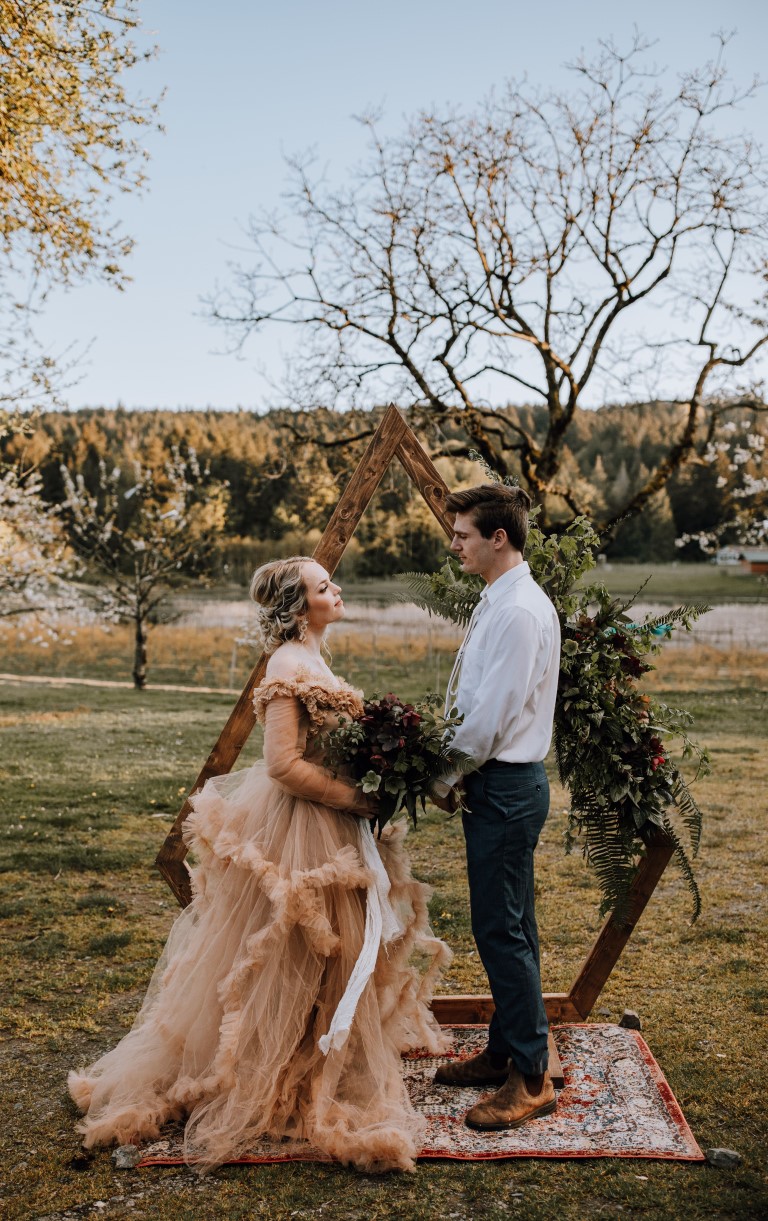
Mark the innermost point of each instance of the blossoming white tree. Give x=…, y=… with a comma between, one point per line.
x=145, y=540
x=38, y=569
x=738, y=454
x=37, y=566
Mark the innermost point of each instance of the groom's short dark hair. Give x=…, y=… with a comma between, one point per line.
x=494, y=506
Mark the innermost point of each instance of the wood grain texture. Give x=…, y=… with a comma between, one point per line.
x=612, y=938
x=357, y=495
x=422, y=471
x=450, y=1010
x=554, y=1066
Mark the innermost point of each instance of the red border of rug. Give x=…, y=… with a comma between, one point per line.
x=673, y=1108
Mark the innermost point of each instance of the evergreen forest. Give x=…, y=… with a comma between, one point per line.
x=285, y=470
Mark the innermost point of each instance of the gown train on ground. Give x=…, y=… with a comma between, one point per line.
x=282, y=1001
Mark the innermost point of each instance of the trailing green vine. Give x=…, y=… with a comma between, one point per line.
x=613, y=743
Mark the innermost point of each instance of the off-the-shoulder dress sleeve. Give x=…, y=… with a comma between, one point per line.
x=279, y=706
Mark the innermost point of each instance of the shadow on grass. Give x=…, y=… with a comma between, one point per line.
x=71, y=858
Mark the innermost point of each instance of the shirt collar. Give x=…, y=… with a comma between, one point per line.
x=505, y=582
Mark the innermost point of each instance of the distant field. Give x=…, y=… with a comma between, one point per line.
x=683, y=582
x=666, y=583
x=201, y=648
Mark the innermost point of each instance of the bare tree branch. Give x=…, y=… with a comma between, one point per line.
x=515, y=245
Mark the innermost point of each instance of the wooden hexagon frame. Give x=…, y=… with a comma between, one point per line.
x=394, y=438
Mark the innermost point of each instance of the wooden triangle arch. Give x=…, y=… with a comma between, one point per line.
x=393, y=438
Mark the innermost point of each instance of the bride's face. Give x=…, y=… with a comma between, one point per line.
x=324, y=604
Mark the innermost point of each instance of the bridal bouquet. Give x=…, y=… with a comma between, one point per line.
x=396, y=750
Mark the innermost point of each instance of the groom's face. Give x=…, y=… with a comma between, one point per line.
x=477, y=554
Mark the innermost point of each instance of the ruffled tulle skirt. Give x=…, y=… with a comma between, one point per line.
x=227, y=1038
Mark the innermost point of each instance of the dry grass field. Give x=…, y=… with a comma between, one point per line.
x=91, y=778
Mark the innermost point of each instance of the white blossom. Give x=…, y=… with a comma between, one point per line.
x=38, y=570
x=172, y=523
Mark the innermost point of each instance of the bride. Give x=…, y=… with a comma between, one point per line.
x=286, y=991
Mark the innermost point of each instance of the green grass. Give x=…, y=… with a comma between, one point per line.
x=682, y=583
x=667, y=583
x=92, y=779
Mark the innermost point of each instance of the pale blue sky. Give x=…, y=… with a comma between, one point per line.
x=249, y=81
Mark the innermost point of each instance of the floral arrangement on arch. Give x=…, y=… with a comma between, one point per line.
x=614, y=744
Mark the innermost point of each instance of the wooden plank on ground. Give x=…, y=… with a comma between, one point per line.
x=456, y=1010
x=555, y=1067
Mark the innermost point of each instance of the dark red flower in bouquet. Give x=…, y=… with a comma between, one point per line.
x=396, y=751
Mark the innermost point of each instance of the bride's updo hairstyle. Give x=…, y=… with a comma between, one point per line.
x=280, y=594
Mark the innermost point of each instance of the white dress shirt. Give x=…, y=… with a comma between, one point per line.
x=505, y=678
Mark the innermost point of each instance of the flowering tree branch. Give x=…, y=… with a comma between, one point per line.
x=143, y=541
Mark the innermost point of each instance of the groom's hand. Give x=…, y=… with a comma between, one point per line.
x=449, y=801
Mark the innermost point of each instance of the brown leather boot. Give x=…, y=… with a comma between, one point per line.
x=477, y=1070
x=512, y=1105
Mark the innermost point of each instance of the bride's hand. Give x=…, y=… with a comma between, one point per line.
x=366, y=806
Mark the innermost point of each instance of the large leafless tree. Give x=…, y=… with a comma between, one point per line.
x=516, y=253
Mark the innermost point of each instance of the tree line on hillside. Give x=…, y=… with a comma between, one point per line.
x=283, y=472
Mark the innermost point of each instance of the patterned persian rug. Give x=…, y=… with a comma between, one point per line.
x=616, y=1103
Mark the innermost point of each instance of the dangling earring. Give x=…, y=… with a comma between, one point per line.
x=303, y=622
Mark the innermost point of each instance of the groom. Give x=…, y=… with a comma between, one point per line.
x=504, y=683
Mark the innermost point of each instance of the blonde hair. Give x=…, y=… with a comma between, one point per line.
x=279, y=591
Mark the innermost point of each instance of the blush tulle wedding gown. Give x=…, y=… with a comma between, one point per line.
x=301, y=970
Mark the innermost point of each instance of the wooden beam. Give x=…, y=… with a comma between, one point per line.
x=453, y=1010
x=353, y=503
x=555, y=1067
x=357, y=495
x=612, y=938
x=559, y=1007
x=422, y=471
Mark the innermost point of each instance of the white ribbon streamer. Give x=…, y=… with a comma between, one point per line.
x=381, y=927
